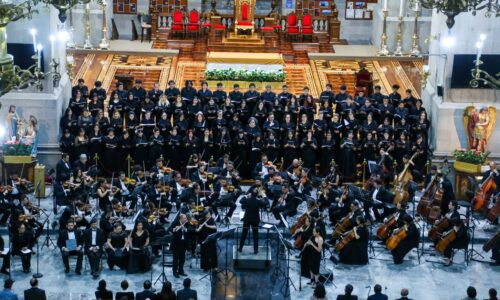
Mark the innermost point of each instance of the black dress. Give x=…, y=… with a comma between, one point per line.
x=309, y=154
x=117, y=257
x=139, y=260
x=208, y=259
x=326, y=155
x=348, y=162
x=314, y=258
x=111, y=155
x=405, y=246
x=356, y=252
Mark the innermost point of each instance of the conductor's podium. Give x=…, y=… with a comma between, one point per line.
x=247, y=260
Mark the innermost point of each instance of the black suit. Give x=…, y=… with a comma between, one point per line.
x=63, y=168
x=104, y=295
x=346, y=297
x=128, y=295
x=252, y=208
x=180, y=242
x=34, y=294
x=496, y=179
x=187, y=294
x=288, y=208
x=145, y=295
x=377, y=296
x=94, y=256
x=61, y=242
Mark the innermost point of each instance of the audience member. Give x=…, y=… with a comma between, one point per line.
x=187, y=293
x=471, y=293
x=378, y=293
x=7, y=293
x=166, y=292
x=147, y=293
x=492, y=293
x=348, y=294
x=319, y=293
x=102, y=293
x=404, y=294
x=124, y=293
x=34, y=293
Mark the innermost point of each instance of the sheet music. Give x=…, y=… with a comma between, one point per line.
x=5, y=251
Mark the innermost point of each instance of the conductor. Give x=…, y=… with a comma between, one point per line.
x=252, y=205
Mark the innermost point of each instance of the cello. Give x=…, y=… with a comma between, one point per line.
x=438, y=228
x=384, y=230
x=348, y=237
x=423, y=204
x=492, y=242
x=494, y=212
x=446, y=240
x=481, y=198
x=394, y=240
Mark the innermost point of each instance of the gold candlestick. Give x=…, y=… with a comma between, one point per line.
x=383, y=38
x=88, y=43
x=104, y=44
x=415, y=51
x=399, y=47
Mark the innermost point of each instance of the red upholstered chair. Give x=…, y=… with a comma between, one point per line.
x=177, y=23
x=307, y=29
x=194, y=22
x=364, y=80
x=244, y=15
x=292, y=28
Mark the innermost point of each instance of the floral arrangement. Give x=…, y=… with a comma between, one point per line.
x=245, y=75
x=17, y=148
x=470, y=156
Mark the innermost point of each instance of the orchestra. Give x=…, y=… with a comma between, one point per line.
x=328, y=178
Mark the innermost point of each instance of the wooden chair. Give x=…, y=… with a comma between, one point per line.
x=307, y=28
x=243, y=15
x=292, y=28
x=364, y=79
x=177, y=23
x=194, y=23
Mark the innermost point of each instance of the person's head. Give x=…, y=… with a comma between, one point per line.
x=34, y=282
x=377, y=288
x=471, y=292
x=124, y=285
x=263, y=158
x=139, y=226
x=407, y=219
x=182, y=218
x=317, y=231
x=166, y=288
x=93, y=223
x=188, y=84
x=147, y=285
x=236, y=87
x=492, y=293
x=187, y=283
x=81, y=82
x=348, y=289
x=70, y=226
x=117, y=229
x=404, y=292
x=22, y=228
x=328, y=87
x=453, y=205
x=456, y=222
x=284, y=89
x=102, y=285
x=319, y=291
x=8, y=283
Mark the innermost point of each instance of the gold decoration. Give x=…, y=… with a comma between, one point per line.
x=479, y=126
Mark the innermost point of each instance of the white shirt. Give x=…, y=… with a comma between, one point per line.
x=94, y=237
x=71, y=235
x=124, y=189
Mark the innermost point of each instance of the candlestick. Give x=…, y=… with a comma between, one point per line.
x=103, y=45
x=401, y=5
x=88, y=43
x=39, y=56
x=33, y=35
x=52, y=50
x=415, y=51
x=383, y=39
x=399, y=47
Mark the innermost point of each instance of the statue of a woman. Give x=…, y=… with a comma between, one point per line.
x=481, y=130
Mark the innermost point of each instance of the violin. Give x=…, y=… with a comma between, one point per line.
x=25, y=217
x=129, y=181
x=5, y=188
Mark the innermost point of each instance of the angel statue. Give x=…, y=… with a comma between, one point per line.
x=479, y=126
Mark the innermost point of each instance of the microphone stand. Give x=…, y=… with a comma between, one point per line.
x=38, y=274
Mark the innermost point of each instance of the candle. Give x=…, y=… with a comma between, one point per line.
x=33, y=35
x=385, y=4
x=401, y=4
x=416, y=5
x=39, y=60
x=52, y=50
x=479, y=46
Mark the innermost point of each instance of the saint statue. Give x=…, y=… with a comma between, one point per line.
x=479, y=126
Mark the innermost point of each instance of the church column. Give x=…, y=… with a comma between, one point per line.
x=446, y=109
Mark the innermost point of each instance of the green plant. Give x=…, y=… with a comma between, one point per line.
x=470, y=156
x=245, y=75
x=17, y=148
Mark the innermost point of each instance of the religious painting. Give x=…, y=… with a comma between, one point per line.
x=479, y=126
x=125, y=6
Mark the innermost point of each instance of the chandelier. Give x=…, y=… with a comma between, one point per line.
x=451, y=8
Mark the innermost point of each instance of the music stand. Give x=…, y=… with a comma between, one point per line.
x=287, y=280
x=163, y=241
x=226, y=271
x=214, y=237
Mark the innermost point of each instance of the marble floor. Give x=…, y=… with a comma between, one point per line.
x=427, y=280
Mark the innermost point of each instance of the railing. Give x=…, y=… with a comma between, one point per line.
x=164, y=21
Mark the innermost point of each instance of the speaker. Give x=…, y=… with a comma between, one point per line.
x=440, y=91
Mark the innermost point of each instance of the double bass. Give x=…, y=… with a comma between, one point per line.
x=494, y=212
x=401, y=187
x=492, y=242
x=424, y=203
x=482, y=196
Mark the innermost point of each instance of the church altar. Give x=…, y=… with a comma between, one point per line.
x=245, y=58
